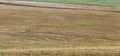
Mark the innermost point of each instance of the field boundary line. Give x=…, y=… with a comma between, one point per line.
x=62, y=6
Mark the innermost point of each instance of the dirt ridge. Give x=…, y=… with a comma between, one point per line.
x=61, y=6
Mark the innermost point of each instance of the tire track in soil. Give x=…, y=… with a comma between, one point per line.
x=55, y=7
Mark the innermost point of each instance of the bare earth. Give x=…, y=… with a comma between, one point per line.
x=61, y=29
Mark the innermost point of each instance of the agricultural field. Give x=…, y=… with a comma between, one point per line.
x=92, y=2
x=38, y=31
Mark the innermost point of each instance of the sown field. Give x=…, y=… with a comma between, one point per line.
x=95, y=2
x=32, y=31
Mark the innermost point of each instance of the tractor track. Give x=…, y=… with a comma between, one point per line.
x=65, y=6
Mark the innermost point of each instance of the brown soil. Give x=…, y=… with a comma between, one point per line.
x=23, y=27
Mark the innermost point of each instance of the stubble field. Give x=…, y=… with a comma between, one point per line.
x=31, y=31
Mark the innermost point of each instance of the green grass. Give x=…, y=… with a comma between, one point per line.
x=77, y=23
x=95, y=2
